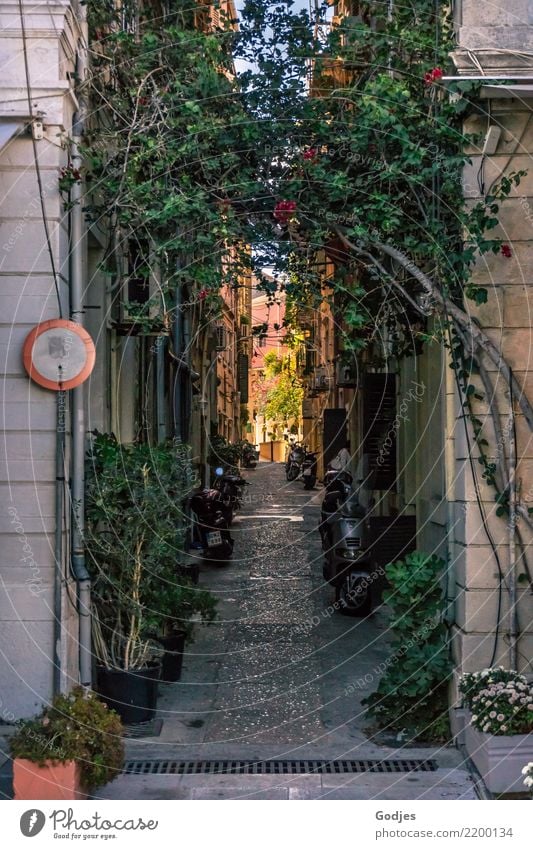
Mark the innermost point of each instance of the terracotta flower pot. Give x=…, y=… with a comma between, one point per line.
x=53, y=780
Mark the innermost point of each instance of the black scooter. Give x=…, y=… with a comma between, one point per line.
x=249, y=456
x=349, y=564
x=210, y=528
x=293, y=466
x=309, y=469
x=230, y=486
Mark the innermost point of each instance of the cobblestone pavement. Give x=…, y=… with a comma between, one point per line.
x=280, y=674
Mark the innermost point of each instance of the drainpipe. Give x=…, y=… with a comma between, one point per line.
x=178, y=348
x=160, y=382
x=513, y=624
x=79, y=568
x=449, y=462
x=58, y=538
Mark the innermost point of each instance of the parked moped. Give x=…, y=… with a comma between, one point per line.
x=309, y=469
x=249, y=456
x=293, y=466
x=230, y=486
x=349, y=564
x=210, y=527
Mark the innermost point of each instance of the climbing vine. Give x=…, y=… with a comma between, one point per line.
x=367, y=174
x=323, y=143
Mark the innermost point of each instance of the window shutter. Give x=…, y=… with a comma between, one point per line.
x=379, y=432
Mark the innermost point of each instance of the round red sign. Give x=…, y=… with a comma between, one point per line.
x=59, y=354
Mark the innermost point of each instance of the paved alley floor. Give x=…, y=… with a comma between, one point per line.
x=280, y=674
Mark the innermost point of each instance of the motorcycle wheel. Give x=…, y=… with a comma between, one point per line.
x=292, y=472
x=350, y=601
x=309, y=483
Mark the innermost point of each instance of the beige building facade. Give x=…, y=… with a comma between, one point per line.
x=492, y=559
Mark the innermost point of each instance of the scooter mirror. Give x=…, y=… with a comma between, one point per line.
x=219, y=471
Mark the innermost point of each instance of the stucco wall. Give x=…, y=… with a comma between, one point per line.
x=507, y=319
x=28, y=413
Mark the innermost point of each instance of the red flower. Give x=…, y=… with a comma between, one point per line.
x=284, y=210
x=310, y=153
x=433, y=76
x=202, y=294
x=506, y=251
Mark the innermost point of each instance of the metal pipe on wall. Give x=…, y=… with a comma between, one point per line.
x=513, y=613
x=178, y=348
x=78, y=565
x=450, y=474
x=58, y=538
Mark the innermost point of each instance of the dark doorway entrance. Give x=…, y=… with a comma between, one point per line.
x=334, y=433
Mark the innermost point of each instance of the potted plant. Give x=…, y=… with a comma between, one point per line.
x=469, y=686
x=527, y=772
x=499, y=736
x=135, y=533
x=73, y=746
x=224, y=453
x=181, y=605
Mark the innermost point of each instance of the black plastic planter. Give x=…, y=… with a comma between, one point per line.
x=132, y=693
x=174, y=646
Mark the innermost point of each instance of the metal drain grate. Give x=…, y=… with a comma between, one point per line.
x=302, y=767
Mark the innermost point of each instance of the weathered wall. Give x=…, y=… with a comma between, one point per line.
x=488, y=31
x=27, y=296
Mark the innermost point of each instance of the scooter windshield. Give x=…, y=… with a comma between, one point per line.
x=351, y=507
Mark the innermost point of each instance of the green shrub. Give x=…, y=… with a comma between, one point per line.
x=412, y=694
x=224, y=453
x=135, y=536
x=78, y=727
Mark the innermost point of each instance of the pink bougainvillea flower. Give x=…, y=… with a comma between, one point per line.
x=284, y=211
x=310, y=153
x=433, y=76
x=506, y=251
x=202, y=294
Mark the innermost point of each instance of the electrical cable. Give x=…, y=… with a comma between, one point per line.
x=437, y=212
x=36, y=159
x=501, y=576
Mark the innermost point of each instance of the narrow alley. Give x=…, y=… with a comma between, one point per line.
x=279, y=676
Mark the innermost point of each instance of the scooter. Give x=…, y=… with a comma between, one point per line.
x=293, y=466
x=346, y=539
x=210, y=527
x=309, y=469
x=230, y=486
x=249, y=456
